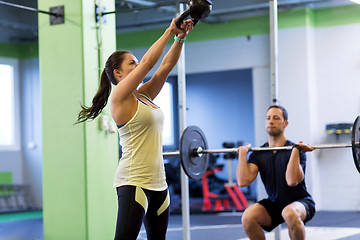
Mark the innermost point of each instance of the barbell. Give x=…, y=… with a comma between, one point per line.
x=194, y=156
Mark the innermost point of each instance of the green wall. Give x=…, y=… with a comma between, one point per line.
x=79, y=161
x=101, y=147
x=19, y=51
x=20, y=216
x=5, y=177
x=64, y=156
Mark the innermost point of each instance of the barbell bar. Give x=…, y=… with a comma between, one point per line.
x=234, y=150
x=194, y=153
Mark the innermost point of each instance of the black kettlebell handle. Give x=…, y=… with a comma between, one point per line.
x=182, y=18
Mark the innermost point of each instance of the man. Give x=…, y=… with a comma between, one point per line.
x=282, y=173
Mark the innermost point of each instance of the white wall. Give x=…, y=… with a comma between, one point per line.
x=338, y=76
x=319, y=84
x=31, y=125
x=298, y=93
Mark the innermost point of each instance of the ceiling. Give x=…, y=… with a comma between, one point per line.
x=19, y=25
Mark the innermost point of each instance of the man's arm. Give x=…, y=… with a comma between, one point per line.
x=245, y=172
x=294, y=172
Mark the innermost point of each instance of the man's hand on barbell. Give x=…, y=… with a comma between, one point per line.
x=243, y=150
x=305, y=147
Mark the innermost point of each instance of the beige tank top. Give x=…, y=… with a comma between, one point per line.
x=142, y=162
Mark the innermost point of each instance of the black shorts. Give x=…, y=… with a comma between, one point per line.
x=275, y=210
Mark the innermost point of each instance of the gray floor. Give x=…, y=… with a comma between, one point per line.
x=224, y=226
x=22, y=230
x=227, y=226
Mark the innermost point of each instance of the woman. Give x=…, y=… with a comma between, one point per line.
x=140, y=177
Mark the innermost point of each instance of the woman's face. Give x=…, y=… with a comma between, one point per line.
x=129, y=63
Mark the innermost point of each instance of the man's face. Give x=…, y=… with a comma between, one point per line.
x=275, y=123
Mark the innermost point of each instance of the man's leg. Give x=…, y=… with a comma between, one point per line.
x=253, y=218
x=294, y=215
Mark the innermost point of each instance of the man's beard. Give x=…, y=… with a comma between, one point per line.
x=275, y=132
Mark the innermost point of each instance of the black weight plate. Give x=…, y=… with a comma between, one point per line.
x=355, y=143
x=194, y=166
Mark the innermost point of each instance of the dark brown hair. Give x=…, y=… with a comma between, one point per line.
x=102, y=95
x=285, y=113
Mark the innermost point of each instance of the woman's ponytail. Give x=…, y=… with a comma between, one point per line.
x=99, y=101
x=102, y=95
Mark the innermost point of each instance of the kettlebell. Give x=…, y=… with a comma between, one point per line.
x=197, y=9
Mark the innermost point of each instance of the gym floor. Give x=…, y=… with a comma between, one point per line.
x=211, y=226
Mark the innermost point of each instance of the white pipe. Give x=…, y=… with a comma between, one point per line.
x=274, y=67
x=274, y=51
x=185, y=209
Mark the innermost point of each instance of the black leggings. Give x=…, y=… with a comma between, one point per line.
x=137, y=205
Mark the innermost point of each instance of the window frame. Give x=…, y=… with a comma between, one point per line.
x=173, y=81
x=16, y=101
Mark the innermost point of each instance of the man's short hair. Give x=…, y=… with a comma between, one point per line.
x=285, y=113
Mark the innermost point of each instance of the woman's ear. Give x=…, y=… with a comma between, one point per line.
x=117, y=73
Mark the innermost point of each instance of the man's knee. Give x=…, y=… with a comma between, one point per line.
x=247, y=218
x=251, y=217
x=292, y=217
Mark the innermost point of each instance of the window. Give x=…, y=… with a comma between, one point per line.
x=165, y=101
x=9, y=139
